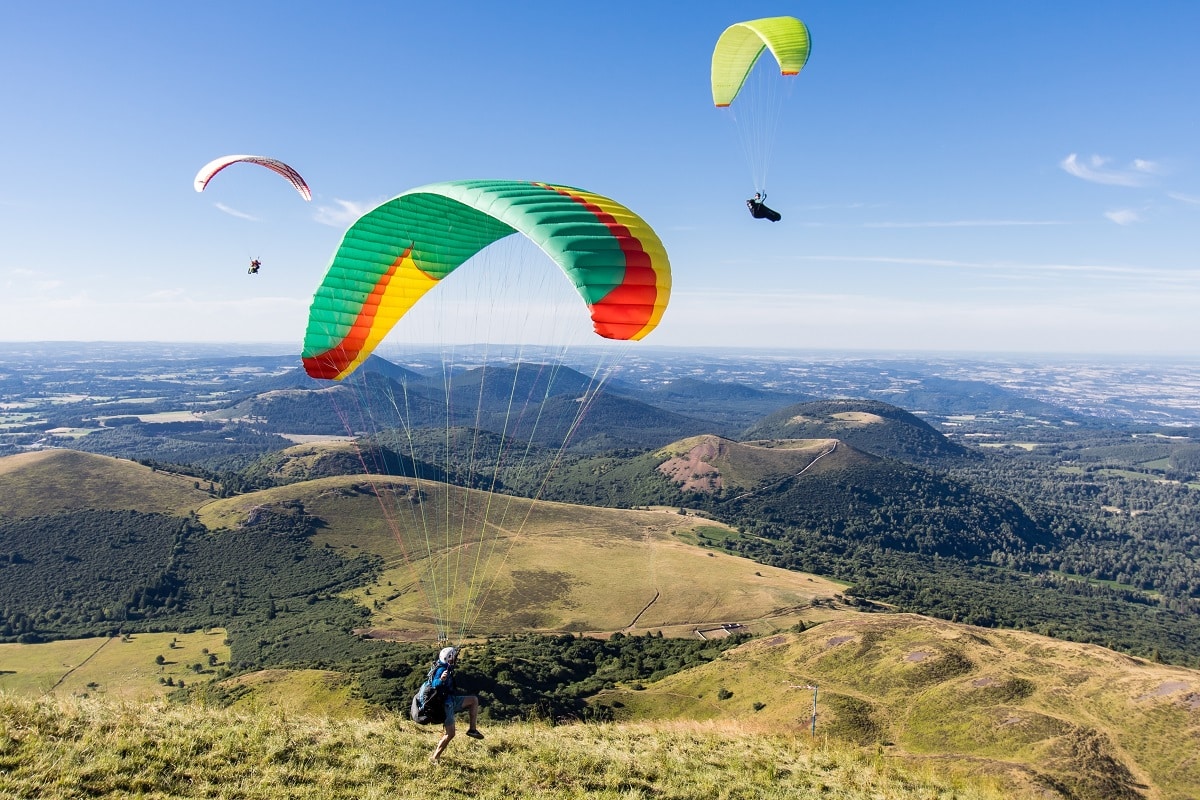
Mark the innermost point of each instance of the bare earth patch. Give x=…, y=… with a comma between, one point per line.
x=389, y=635
x=858, y=417
x=692, y=470
x=1169, y=687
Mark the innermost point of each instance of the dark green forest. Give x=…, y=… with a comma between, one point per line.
x=100, y=573
x=517, y=677
x=207, y=446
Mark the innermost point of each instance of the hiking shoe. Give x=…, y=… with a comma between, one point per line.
x=475, y=734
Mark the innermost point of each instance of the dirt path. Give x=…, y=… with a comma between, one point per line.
x=69, y=672
x=807, y=467
x=633, y=622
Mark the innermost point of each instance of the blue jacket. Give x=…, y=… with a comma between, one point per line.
x=442, y=677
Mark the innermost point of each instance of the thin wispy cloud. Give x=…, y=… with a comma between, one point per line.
x=1124, y=216
x=1098, y=170
x=1184, y=198
x=965, y=223
x=343, y=214
x=1188, y=276
x=233, y=212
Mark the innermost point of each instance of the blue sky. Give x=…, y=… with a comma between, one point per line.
x=1005, y=177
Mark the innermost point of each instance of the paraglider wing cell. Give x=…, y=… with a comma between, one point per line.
x=741, y=44
x=401, y=249
x=210, y=169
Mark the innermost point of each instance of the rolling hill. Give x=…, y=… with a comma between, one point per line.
x=512, y=564
x=864, y=499
x=530, y=403
x=711, y=464
x=54, y=481
x=1064, y=720
x=949, y=396
x=778, y=488
x=869, y=425
x=542, y=565
x=1070, y=720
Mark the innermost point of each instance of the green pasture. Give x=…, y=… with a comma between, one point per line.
x=123, y=667
x=19, y=419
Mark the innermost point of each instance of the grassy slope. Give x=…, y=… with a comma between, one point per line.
x=297, y=462
x=1090, y=721
x=300, y=691
x=537, y=565
x=57, y=749
x=122, y=668
x=53, y=481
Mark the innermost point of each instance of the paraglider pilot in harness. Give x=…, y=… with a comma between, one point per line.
x=440, y=687
x=760, y=211
x=255, y=264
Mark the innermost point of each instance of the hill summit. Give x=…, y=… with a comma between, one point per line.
x=869, y=425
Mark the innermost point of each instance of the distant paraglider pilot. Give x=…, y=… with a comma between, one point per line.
x=255, y=264
x=760, y=211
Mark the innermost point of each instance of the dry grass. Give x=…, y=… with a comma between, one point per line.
x=520, y=565
x=54, y=481
x=1092, y=722
x=58, y=749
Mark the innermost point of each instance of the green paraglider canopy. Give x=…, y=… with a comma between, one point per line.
x=400, y=250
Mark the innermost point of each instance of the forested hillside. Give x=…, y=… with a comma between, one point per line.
x=91, y=573
x=869, y=425
x=988, y=541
